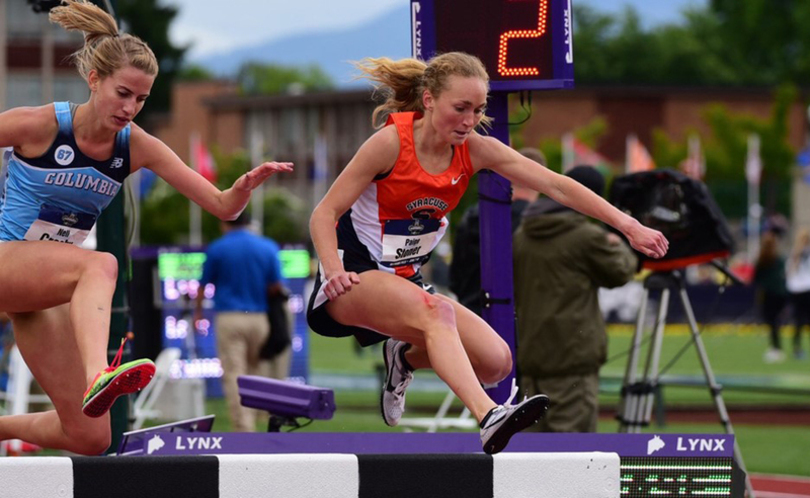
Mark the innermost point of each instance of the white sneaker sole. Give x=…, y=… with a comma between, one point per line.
x=386, y=380
x=529, y=413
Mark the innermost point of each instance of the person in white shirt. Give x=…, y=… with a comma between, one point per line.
x=798, y=285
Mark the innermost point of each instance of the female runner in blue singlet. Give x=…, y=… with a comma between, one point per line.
x=68, y=163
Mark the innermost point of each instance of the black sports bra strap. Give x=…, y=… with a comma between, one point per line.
x=73, y=108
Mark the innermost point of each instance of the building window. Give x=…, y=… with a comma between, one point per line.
x=71, y=88
x=23, y=90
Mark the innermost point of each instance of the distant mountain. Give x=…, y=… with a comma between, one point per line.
x=390, y=35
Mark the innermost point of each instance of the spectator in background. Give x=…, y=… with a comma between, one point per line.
x=772, y=295
x=245, y=270
x=561, y=259
x=798, y=285
x=465, y=267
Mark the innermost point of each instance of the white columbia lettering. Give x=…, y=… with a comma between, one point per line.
x=82, y=182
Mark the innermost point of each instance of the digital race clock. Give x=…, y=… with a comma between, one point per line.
x=524, y=44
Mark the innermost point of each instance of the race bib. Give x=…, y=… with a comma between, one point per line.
x=59, y=225
x=409, y=241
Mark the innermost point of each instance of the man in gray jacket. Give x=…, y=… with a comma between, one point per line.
x=561, y=259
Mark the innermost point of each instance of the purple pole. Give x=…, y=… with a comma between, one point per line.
x=496, y=244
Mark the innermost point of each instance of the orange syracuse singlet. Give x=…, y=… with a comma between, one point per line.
x=401, y=216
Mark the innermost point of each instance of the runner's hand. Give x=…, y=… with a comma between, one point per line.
x=259, y=174
x=340, y=283
x=647, y=241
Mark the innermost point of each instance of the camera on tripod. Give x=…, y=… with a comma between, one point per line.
x=685, y=212
x=679, y=207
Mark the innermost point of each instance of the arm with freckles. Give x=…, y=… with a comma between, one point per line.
x=489, y=153
x=375, y=156
x=149, y=152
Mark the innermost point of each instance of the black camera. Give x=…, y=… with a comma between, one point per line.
x=679, y=207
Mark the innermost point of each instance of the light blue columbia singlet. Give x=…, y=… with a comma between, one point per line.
x=59, y=195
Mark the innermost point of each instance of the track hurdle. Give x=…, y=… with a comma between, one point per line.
x=508, y=475
x=186, y=459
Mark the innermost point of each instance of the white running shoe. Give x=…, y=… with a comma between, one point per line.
x=504, y=421
x=397, y=378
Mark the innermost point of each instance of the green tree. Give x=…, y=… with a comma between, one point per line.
x=195, y=72
x=726, y=148
x=266, y=79
x=165, y=212
x=286, y=217
x=729, y=42
x=618, y=50
x=768, y=40
x=149, y=20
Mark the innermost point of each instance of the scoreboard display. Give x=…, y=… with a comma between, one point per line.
x=179, y=273
x=643, y=477
x=524, y=44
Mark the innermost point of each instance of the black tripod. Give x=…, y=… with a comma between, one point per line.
x=638, y=391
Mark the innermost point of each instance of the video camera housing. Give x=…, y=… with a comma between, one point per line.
x=679, y=207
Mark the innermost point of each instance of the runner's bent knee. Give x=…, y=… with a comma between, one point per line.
x=103, y=263
x=438, y=314
x=496, y=364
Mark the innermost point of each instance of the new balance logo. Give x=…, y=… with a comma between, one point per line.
x=458, y=179
x=117, y=163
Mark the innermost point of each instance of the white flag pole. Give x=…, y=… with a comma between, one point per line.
x=694, y=156
x=753, y=172
x=568, y=152
x=257, y=158
x=321, y=170
x=195, y=215
x=628, y=153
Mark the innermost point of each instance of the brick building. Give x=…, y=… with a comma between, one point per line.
x=33, y=59
x=289, y=124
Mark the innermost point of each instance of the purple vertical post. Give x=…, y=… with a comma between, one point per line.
x=496, y=244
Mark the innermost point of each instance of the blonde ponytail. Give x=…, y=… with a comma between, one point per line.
x=105, y=49
x=403, y=82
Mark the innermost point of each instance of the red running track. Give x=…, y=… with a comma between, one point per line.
x=775, y=486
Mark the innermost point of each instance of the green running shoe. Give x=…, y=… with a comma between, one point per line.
x=114, y=381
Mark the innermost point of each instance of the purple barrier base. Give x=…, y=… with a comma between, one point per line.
x=626, y=445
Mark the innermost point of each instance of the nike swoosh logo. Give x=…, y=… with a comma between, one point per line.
x=456, y=180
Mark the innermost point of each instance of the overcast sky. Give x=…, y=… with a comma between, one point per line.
x=221, y=25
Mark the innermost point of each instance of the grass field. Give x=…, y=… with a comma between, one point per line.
x=735, y=354
x=765, y=448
